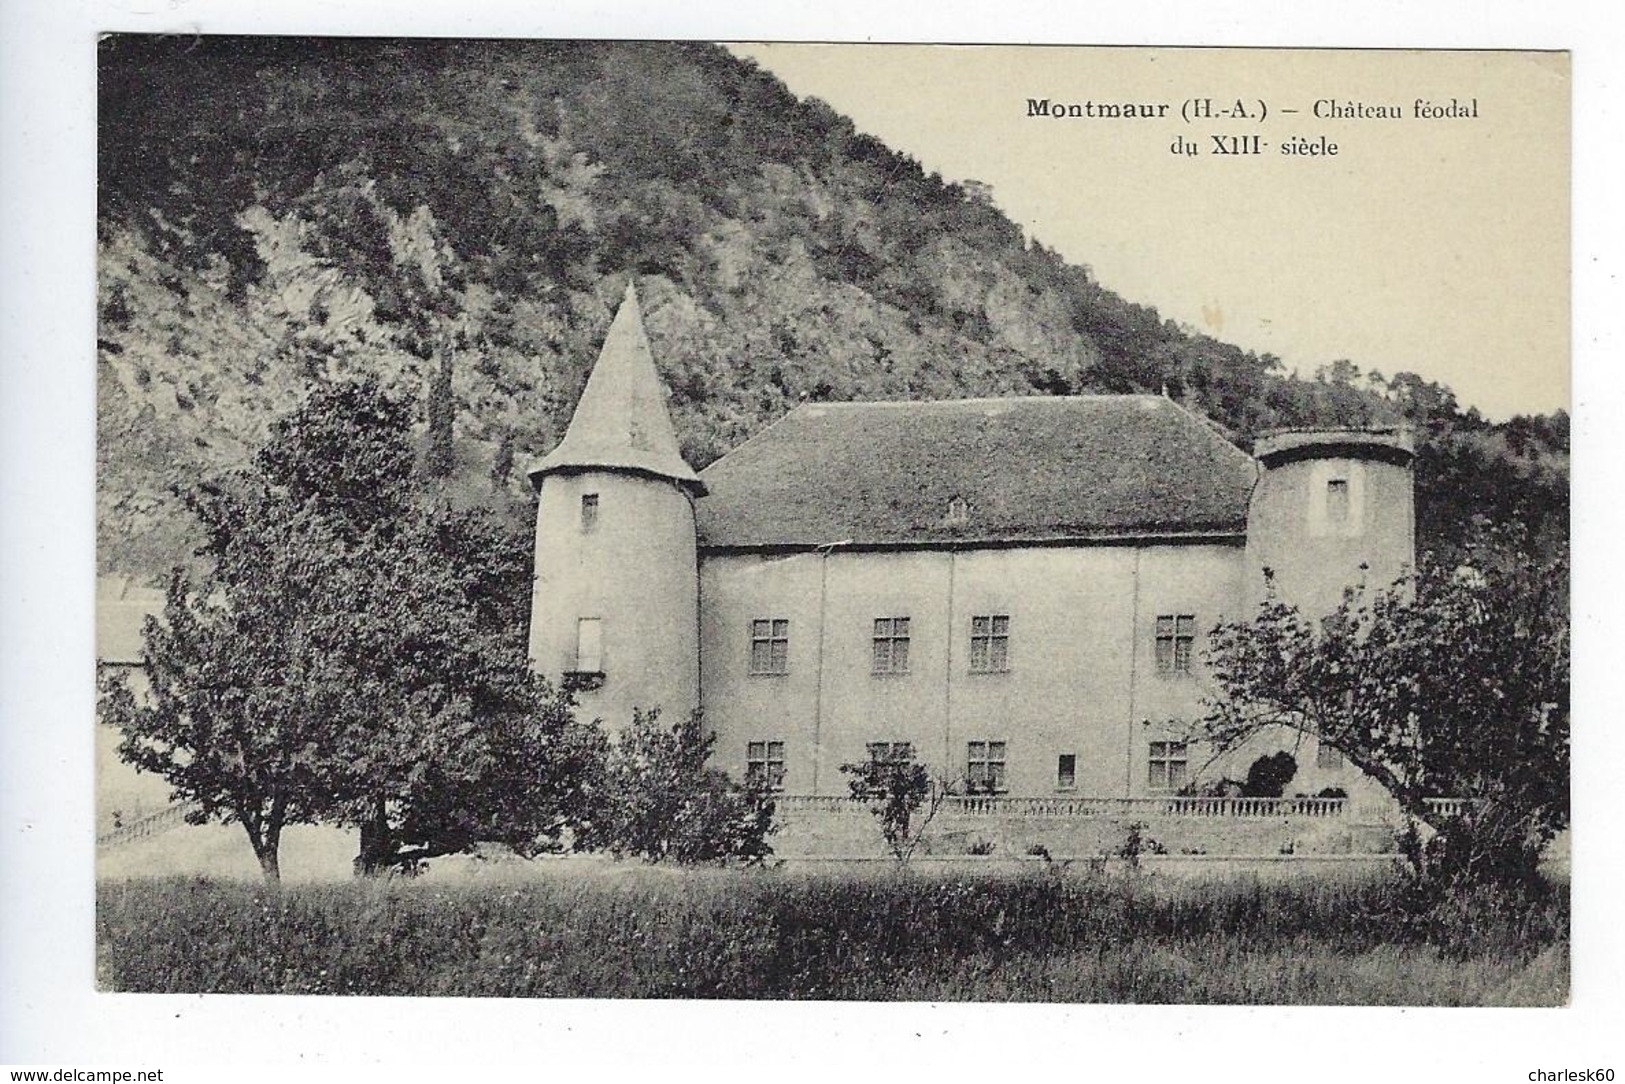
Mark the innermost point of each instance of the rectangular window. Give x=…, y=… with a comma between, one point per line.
x=990, y=644
x=1169, y=765
x=1176, y=638
x=1337, y=500
x=1328, y=757
x=764, y=764
x=896, y=751
x=589, y=511
x=590, y=645
x=891, y=645
x=770, y=646
x=1066, y=772
x=984, y=768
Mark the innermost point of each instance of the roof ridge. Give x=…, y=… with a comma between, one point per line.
x=844, y=404
x=1217, y=429
x=754, y=437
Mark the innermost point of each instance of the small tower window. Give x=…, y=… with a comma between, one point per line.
x=590, y=645
x=1066, y=772
x=1337, y=497
x=589, y=511
x=1337, y=500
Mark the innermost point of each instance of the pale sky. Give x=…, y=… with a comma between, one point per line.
x=1435, y=246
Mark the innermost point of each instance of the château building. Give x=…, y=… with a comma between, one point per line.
x=1014, y=591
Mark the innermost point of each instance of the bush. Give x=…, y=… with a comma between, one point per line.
x=897, y=789
x=1484, y=844
x=1269, y=775
x=1217, y=788
x=1136, y=843
x=657, y=800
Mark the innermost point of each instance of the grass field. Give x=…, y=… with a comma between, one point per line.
x=1083, y=936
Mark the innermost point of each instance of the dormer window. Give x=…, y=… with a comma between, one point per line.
x=589, y=511
x=958, y=512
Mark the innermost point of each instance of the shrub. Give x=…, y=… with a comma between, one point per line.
x=1486, y=843
x=897, y=789
x=1269, y=775
x=657, y=800
x=1217, y=788
x=1136, y=843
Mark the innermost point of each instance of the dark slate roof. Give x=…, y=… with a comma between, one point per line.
x=621, y=421
x=977, y=471
x=1392, y=442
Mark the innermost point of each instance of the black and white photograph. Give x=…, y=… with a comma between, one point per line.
x=608, y=520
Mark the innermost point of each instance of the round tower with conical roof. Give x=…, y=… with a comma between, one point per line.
x=615, y=608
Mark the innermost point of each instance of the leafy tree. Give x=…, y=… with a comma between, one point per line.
x=1452, y=684
x=348, y=658
x=658, y=800
x=897, y=789
x=519, y=774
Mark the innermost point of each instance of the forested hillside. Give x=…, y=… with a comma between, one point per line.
x=458, y=218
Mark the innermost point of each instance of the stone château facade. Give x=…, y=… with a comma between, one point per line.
x=1016, y=590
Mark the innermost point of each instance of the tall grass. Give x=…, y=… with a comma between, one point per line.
x=764, y=934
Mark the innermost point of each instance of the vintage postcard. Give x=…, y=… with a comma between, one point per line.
x=643, y=519
x=889, y=458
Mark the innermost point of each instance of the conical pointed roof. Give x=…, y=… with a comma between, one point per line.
x=621, y=422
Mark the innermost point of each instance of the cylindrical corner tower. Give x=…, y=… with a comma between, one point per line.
x=615, y=608
x=1332, y=509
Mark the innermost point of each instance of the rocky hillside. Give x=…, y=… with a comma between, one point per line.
x=458, y=217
